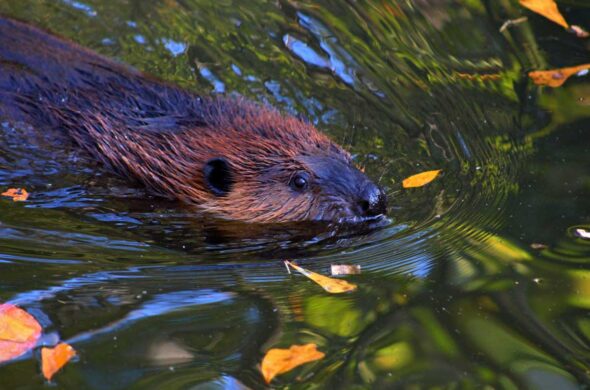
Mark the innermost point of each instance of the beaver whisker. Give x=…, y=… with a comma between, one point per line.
x=393, y=192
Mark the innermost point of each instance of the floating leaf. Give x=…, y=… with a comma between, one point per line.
x=17, y=194
x=343, y=269
x=334, y=286
x=19, y=332
x=546, y=8
x=278, y=361
x=579, y=31
x=556, y=77
x=53, y=359
x=583, y=233
x=420, y=179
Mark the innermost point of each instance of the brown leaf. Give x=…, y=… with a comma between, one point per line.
x=53, y=359
x=556, y=77
x=420, y=179
x=334, y=286
x=19, y=332
x=278, y=361
x=17, y=194
x=546, y=8
x=343, y=269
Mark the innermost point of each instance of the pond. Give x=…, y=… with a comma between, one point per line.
x=481, y=277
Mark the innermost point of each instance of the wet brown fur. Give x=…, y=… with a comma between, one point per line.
x=171, y=164
x=158, y=134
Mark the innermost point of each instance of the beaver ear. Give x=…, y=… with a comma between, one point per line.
x=218, y=176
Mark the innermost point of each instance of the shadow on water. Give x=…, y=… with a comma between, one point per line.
x=451, y=292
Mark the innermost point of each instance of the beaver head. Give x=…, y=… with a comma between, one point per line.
x=256, y=164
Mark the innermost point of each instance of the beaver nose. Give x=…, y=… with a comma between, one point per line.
x=373, y=201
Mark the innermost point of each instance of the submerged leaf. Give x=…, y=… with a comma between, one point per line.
x=17, y=194
x=556, y=77
x=278, y=361
x=19, y=332
x=53, y=359
x=546, y=8
x=420, y=179
x=334, y=286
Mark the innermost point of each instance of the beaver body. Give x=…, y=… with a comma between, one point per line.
x=233, y=158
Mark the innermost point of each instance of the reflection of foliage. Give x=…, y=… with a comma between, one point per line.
x=334, y=315
x=409, y=86
x=496, y=325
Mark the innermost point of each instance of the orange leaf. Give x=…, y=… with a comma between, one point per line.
x=546, y=8
x=420, y=179
x=19, y=332
x=278, y=361
x=556, y=77
x=17, y=194
x=53, y=359
x=334, y=286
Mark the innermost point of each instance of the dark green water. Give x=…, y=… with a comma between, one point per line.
x=451, y=295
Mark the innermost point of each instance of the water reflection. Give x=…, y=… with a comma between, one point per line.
x=451, y=293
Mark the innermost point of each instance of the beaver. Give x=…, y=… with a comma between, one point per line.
x=231, y=157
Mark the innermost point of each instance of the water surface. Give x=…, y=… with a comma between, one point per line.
x=451, y=294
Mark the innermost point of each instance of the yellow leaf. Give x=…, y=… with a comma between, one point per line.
x=546, y=8
x=556, y=77
x=53, y=359
x=420, y=179
x=334, y=286
x=17, y=194
x=19, y=332
x=278, y=361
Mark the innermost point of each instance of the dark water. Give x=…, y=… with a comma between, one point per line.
x=451, y=295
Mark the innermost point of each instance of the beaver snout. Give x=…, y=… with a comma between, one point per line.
x=340, y=191
x=373, y=201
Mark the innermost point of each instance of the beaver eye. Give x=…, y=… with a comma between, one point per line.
x=299, y=181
